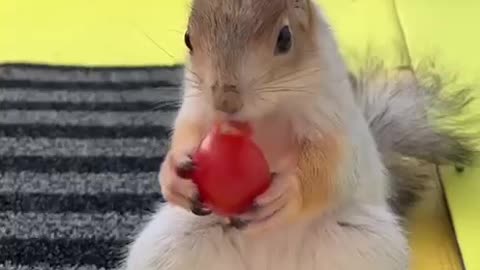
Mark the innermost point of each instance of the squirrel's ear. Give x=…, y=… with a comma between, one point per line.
x=302, y=10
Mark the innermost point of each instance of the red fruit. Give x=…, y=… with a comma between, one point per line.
x=230, y=171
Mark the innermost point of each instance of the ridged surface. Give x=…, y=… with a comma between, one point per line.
x=79, y=158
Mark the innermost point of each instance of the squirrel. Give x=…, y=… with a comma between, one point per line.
x=336, y=143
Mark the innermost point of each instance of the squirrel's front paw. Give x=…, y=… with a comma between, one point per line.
x=274, y=207
x=176, y=187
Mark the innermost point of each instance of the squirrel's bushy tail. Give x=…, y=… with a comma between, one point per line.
x=412, y=117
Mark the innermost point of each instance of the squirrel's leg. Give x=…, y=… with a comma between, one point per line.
x=175, y=239
x=365, y=237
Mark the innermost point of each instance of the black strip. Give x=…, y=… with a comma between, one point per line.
x=72, y=85
x=99, y=252
x=97, y=106
x=82, y=132
x=79, y=164
x=55, y=67
x=80, y=203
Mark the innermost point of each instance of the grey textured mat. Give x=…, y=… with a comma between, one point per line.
x=79, y=154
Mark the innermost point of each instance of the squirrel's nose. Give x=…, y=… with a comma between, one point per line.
x=227, y=98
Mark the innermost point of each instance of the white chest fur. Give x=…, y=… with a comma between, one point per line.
x=360, y=238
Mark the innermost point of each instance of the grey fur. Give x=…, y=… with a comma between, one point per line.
x=401, y=108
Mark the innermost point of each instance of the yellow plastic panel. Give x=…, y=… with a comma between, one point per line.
x=367, y=26
x=463, y=193
x=432, y=238
x=150, y=32
x=95, y=32
x=445, y=30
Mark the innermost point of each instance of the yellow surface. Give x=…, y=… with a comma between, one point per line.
x=103, y=32
x=150, y=32
x=462, y=190
x=444, y=30
x=432, y=238
x=367, y=26
x=109, y=32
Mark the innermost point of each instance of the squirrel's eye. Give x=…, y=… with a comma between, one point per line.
x=187, y=41
x=284, y=41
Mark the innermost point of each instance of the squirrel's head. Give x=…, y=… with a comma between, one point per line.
x=251, y=57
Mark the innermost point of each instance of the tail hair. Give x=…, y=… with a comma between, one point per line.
x=416, y=113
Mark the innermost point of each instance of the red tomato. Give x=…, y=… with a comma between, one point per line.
x=230, y=171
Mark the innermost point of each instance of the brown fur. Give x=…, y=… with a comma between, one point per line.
x=317, y=171
x=246, y=22
x=253, y=20
x=233, y=51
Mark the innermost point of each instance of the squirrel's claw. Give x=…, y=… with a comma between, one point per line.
x=271, y=208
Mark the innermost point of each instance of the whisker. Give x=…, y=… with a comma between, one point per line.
x=286, y=77
x=299, y=73
x=156, y=44
x=301, y=69
x=283, y=87
x=258, y=78
x=193, y=77
x=289, y=85
x=286, y=90
x=195, y=95
x=174, y=104
x=264, y=100
x=162, y=105
x=193, y=73
x=151, y=39
x=194, y=83
x=176, y=31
